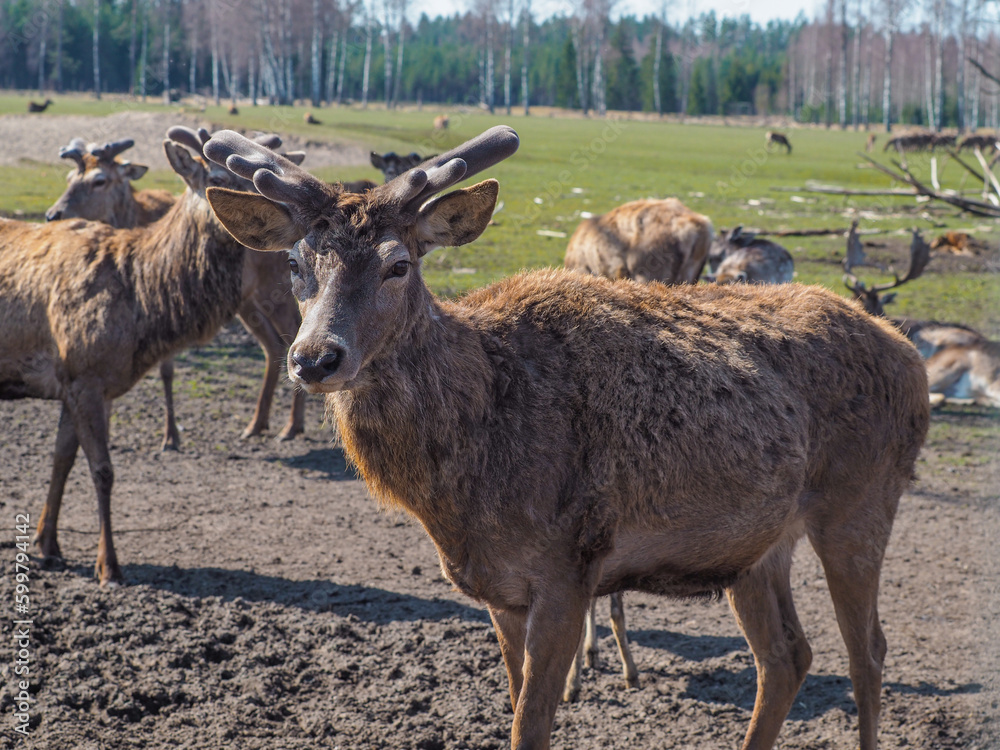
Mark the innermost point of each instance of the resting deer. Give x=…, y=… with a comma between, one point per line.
x=562, y=436
x=644, y=240
x=100, y=189
x=777, y=139
x=739, y=256
x=36, y=107
x=88, y=309
x=961, y=362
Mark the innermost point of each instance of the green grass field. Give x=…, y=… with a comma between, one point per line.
x=567, y=165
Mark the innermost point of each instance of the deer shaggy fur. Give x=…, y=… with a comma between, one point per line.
x=644, y=240
x=88, y=309
x=737, y=420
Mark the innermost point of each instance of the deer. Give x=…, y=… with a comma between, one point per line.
x=643, y=240
x=310, y=120
x=391, y=165
x=562, y=436
x=870, y=142
x=982, y=141
x=777, y=139
x=738, y=256
x=961, y=362
x=441, y=122
x=89, y=309
x=36, y=107
x=100, y=189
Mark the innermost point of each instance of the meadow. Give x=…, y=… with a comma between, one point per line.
x=569, y=164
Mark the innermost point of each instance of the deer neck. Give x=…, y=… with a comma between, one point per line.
x=409, y=429
x=126, y=213
x=187, y=274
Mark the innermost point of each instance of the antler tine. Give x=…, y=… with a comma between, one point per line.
x=920, y=255
x=187, y=137
x=268, y=140
x=74, y=151
x=855, y=250
x=446, y=169
x=110, y=150
x=273, y=175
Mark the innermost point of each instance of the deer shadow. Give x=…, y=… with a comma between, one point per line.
x=689, y=647
x=367, y=603
x=818, y=695
x=330, y=462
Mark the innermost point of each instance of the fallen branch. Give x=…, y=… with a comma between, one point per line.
x=834, y=190
x=984, y=71
x=814, y=232
x=989, y=173
x=978, y=208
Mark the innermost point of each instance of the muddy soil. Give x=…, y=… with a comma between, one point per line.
x=271, y=605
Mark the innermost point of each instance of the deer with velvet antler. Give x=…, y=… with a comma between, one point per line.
x=562, y=436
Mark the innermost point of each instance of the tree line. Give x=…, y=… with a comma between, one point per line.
x=859, y=62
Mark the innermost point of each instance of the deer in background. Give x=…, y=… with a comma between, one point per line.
x=441, y=122
x=738, y=256
x=644, y=240
x=961, y=362
x=392, y=165
x=88, y=309
x=772, y=138
x=100, y=189
x=36, y=107
x=562, y=436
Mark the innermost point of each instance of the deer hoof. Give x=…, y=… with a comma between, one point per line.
x=253, y=430
x=288, y=433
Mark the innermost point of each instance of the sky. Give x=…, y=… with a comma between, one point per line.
x=758, y=10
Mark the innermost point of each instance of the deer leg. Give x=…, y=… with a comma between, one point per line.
x=852, y=574
x=629, y=671
x=762, y=602
x=90, y=418
x=62, y=462
x=510, y=627
x=571, y=690
x=590, y=636
x=256, y=322
x=553, y=626
x=171, y=435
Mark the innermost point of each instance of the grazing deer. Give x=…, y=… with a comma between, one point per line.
x=562, y=436
x=739, y=256
x=100, y=190
x=392, y=165
x=644, y=240
x=982, y=141
x=961, y=362
x=777, y=139
x=441, y=122
x=36, y=107
x=88, y=309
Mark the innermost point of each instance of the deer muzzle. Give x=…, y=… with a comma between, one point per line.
x=321, y=368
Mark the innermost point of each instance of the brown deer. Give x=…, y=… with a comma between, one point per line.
x=870, y=143
x=961, y=362
x=392, y=165
x=100, y=190
x=738, y=256
x=441, y=122
x=982, y=141
x=562, y=436
x=777, y=139
x=644, y=240
x=36, y=107
x=310, y=120
x=89, y=309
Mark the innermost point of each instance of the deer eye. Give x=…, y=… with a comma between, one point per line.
x=293, y=265
x=399, y=268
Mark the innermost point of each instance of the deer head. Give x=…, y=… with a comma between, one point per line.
x=100, y=187
x=920, y=253
x=392, y=164
x=355, y=258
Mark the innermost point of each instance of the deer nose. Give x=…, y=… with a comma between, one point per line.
x=311, y=370
x=53, y=214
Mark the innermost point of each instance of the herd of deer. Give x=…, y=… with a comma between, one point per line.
x=741, y=418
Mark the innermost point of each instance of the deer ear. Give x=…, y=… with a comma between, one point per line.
x=377, y=161
x=254, y=220
x=183, y=163
x=457, y=218
x=133, y=171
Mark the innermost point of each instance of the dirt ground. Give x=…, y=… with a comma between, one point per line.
x=38, y=139
x=271, y=605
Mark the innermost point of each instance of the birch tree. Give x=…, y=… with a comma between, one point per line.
x=526, y=14
x=97, y=46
